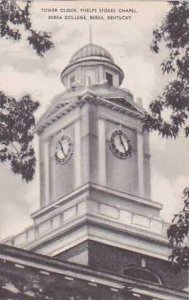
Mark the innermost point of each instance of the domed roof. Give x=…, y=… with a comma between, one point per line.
x=91, y=50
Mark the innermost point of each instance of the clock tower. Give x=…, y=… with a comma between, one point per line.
x=94, y=160
x=96, y=208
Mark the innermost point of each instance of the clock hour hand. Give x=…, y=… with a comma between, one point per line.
x=62, y=148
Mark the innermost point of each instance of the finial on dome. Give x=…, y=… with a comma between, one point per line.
x=90, y=35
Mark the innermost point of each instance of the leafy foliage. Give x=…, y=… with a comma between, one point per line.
x=25, y=286
x=16, y=134
x=174, y=34
x=178, y=235
x=12, y=16
x=16, y=117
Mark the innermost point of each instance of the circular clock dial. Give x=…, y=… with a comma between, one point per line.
x=120, y=144
x=63, y=149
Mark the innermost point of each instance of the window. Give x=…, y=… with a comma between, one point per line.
x=72, y=80
x=109, y=78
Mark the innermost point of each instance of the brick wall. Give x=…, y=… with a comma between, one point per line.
x=115, y=260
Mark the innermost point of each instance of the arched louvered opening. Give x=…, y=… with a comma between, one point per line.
x=143, y=274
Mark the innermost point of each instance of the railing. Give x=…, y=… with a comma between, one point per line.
x=150, y=224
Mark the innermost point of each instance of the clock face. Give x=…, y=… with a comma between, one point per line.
x=63, y=150
x=120, y=144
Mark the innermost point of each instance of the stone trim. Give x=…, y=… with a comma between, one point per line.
x=81, y=100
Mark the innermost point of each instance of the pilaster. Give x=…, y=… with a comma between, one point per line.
x=102, y=151
x=140, y=157
x=46, y=172
x=77, y=154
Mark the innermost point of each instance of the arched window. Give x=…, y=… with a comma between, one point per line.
x=109, y=78
x=143, y=274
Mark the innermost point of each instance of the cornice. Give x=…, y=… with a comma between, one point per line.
x=87, y=189
x=86, y=97
x=103, y=224
x=41, y=263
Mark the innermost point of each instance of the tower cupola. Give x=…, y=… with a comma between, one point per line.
x=92, y=65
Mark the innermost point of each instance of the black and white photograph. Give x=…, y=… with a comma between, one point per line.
x=94, y=139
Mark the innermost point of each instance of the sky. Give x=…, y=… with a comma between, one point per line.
x=128, y=41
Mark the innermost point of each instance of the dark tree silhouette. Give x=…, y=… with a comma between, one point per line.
x=16, y=134
x=14, y=286
x=12, y=15
x=17, y=116
x=178, y=235
x=173, y=33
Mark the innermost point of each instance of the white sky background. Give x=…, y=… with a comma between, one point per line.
x=23, y=72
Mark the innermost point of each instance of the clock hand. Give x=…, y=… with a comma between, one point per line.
x=62, y=148
x=122, y=143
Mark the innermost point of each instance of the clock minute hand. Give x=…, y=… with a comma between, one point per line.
x=122, y=143
x=62, y=148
